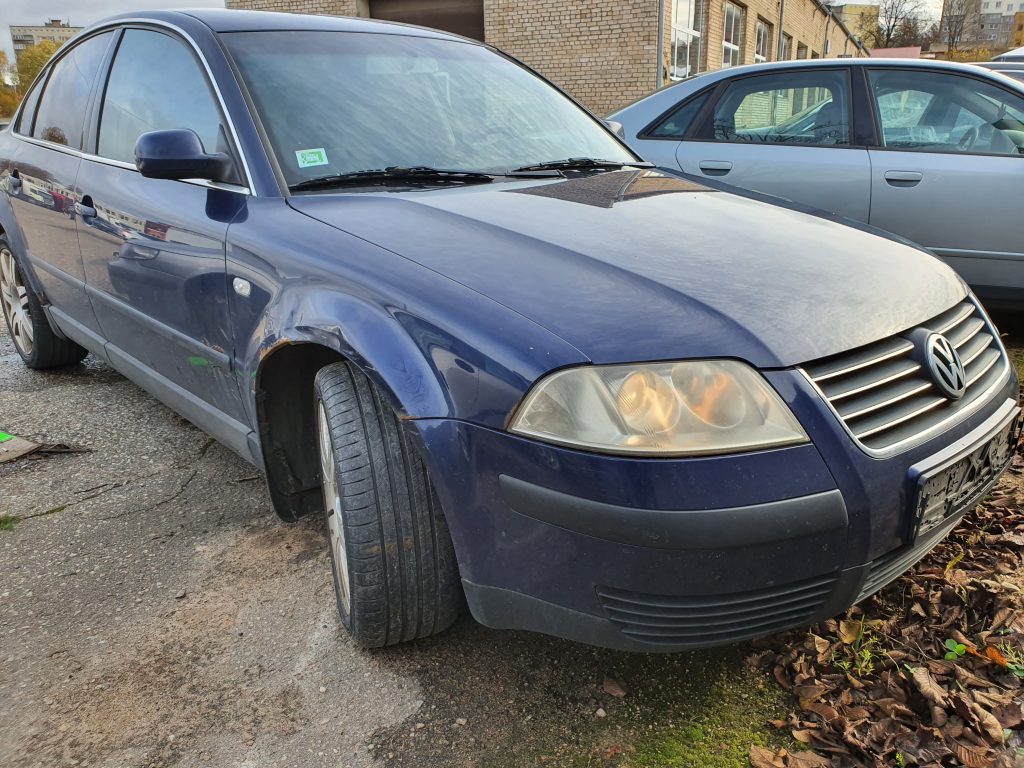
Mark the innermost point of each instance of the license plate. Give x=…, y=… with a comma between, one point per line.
x=948, y=491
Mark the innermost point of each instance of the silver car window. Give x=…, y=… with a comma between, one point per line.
x=801, y=108
x=945, y=112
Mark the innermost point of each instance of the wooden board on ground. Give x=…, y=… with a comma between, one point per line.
x=13, y=447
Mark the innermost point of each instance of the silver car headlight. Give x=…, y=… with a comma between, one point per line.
x=658, y=409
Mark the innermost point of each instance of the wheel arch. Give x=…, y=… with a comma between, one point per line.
x=281, y=373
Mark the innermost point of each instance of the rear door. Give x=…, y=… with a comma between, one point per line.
x=948, y=171
x=786, y=133
x=50, y=131
x=154, y=248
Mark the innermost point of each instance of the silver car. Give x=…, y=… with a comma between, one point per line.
x=931, y=151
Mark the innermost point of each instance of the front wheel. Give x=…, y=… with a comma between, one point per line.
x=30, y=329
x=395, y=573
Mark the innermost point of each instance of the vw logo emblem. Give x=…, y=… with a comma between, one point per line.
x=945, y=366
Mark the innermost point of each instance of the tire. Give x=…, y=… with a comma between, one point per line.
x=395, y=573
x=28, y=325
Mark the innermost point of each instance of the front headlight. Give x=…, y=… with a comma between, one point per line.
x=658, y=409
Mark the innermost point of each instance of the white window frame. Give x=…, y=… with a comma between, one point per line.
x=762, y=41
x=787, y=47
x=686, y=32
x=732, y=52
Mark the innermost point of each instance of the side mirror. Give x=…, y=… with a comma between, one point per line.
x=616, y=128
x=179, y=154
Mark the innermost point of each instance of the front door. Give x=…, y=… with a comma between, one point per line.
x=949, y=172
x=787, y=134
x=154, y=248
x=45, y=171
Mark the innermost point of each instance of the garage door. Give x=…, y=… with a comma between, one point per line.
x=463, y=17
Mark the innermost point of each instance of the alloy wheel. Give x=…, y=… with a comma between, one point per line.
x=332, y=503
x=14, y=300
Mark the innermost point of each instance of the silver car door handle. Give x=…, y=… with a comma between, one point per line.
x=715, y=167
x=903, y=178
x=85, y=211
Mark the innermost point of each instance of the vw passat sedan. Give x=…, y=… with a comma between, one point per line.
x=440, y=303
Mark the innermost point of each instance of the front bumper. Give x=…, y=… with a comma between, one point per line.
x=664, y=555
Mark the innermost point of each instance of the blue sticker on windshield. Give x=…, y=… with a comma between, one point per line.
x=310, y=157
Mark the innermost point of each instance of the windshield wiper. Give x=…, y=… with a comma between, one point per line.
x=580, y=163
x=394, y=173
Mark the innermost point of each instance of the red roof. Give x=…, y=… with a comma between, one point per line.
x=910, y=52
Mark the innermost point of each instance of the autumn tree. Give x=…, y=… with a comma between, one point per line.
x=894, y=16
x=957, y=19
x=33, y=59
x=8, y=95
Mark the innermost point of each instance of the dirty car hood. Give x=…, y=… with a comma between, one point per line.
x=639, y=265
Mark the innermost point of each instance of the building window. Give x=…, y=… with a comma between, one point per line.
x=686, y=38
x=801, y=51
x=763, y=43
x=787, y=47
x=732, y=39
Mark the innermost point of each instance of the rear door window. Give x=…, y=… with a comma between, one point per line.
x=799, y=108
x=60, y=117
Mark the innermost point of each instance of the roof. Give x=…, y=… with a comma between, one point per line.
x=224, y=20
x=1017, y=54
x=909, y=52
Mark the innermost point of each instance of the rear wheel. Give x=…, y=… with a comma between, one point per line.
x=395, y=574
x=30, y=329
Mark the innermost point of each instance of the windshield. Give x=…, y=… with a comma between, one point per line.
x=338, y=102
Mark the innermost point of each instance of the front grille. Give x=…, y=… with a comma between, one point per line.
x=708, y=620
x=887, y=399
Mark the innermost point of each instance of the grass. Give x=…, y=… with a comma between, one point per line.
x=703, y=709
x=7, y=522
x=732, y=715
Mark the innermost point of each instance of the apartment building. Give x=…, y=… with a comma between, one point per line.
x=54, y=29
x=609, y=52
x=860, y=18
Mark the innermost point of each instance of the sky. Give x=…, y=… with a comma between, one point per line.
x=79, y=13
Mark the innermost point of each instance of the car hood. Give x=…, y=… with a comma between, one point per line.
x=640, y=265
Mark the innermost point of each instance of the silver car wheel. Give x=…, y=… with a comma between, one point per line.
x=14, y=299
x=332, y=504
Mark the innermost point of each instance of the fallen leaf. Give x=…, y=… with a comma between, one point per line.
x=760, y=757
x=994, y=654
x=612, y=687
x=931, y=690
x=971, y=756
x=849, y=631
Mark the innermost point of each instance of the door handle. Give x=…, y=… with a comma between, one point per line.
x=903, y=178
x=85, y=211
x=138, y=252
x=715, y=167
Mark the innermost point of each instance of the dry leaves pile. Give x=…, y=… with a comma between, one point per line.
x=930, y=671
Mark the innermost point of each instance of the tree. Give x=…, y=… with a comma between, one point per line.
x=33, y=59
x=956, y=15
x=894, y=15
x=8, y=95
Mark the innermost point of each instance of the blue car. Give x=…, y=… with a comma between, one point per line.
x=437, y=301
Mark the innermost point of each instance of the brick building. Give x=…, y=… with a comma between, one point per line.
x=606, y=52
